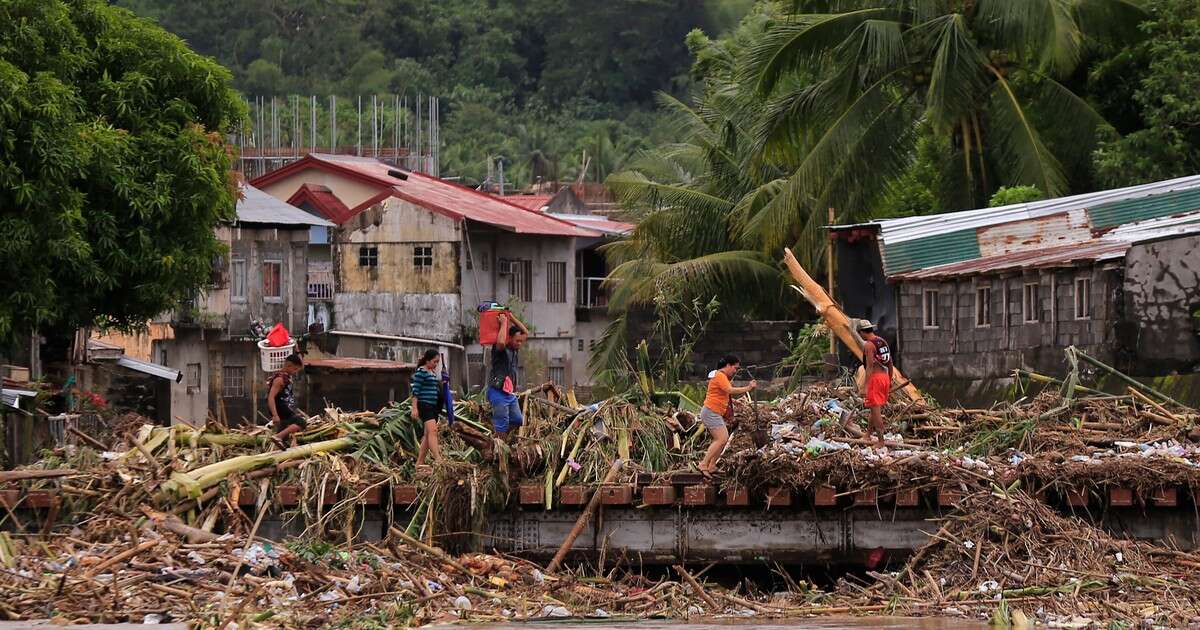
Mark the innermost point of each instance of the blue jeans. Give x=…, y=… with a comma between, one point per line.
x=506, y=412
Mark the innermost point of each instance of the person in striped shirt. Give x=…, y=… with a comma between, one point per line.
x=426, y=404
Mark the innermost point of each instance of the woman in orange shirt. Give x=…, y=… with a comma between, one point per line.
x=716, y=403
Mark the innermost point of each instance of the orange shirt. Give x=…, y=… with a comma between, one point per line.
x=719, y=389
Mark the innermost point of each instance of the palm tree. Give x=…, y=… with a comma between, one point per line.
x=852, y=83
x=690, y=201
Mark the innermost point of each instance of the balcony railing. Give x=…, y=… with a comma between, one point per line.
x=320, y=283
x=590, y=294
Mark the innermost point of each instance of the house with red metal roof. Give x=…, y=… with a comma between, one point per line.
x=413, y=256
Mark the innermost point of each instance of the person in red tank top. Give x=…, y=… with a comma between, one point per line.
x=877, y=360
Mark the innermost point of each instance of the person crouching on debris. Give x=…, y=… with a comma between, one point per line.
x=427, y=404
x=716, y=404
x=281, y=401
x=502, y=382
x=877, y=362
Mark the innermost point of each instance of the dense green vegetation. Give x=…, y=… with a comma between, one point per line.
x=113, y=168
x=536, y=81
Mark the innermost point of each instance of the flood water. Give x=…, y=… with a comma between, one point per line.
x=829, y=623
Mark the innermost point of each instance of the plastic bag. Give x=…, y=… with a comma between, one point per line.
x=278, y=337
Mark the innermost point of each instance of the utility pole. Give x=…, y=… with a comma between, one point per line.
x=829, y=278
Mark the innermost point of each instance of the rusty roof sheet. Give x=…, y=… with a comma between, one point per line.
x=1058, y=256
x=454, y=200
x=529, y=202
x=356, y=364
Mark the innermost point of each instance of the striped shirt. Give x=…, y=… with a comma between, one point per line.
x=425, y=386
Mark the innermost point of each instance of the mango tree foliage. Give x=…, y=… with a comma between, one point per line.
x=113, y=166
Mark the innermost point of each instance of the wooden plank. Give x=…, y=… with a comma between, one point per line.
x=779, y=497
x=405, y=494
x=659, y=495
x=572, y=495
x=907, y=497
x=1120, y=497
x=616, y=494
x=866, y=497
x=737, y=497
x=948, y=496
x=1165, y=497
x=704, y=494
x=1077, y=498
x=825, y=496
x=532, y=494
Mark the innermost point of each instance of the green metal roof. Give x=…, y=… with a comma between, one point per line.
x=1142, y=208
x=930, y=251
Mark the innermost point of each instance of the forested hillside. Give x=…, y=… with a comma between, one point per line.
x=537, y=81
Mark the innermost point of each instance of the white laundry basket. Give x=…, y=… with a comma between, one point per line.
x=274, y=356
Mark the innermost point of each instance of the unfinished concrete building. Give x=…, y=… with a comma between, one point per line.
x=974, y=295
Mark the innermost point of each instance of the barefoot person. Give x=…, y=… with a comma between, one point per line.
x=502, y=382
x=427, y=404
x=716, y=404
x=877, y=361
x=281, y=402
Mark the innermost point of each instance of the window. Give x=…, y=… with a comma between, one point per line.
x=520, y=282
x=233, y=381
x=983, y=306
x=556, y=375
x=1030, y=305
x=591, y=344
x=1083, y=298
x=237, y=286
x=273, y=280
x=423, y=257
x=368, y=256
x=484, y=257
x=930, y=308
x=579, y=344
x=556, y=282
x=192, y=374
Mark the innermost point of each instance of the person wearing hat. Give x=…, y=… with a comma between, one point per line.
x=877, y=363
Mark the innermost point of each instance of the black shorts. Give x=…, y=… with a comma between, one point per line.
x=287, y=421
x=428, y=412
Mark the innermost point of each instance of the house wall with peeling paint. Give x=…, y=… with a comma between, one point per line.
x=380, y=287
x=1162, y=296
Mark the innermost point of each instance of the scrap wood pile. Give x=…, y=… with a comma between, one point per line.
x=1010, y=555
x=127, y=571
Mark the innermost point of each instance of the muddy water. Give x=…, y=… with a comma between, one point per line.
x=836, y=623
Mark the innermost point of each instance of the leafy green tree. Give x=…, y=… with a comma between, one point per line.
x=1152, y=88
x=852, y=82
x=113, y=166
x=1011, y=195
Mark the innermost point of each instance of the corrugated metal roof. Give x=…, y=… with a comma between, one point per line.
x=1040, y=258
x=530, y=202
x=256, y=206
x=353, y=364
x=322, y=200
x=439, y=195
x=1111, y=246
x=153, y=369
x=11, y=397
x=944, y=234
x=930, y=251
x=598, y=223
x=1129, y=210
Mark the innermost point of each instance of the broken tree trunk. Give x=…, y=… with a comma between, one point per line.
x=582, y=522
x=835, y=318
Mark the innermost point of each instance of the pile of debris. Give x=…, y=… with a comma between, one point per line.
x=1010, y=555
